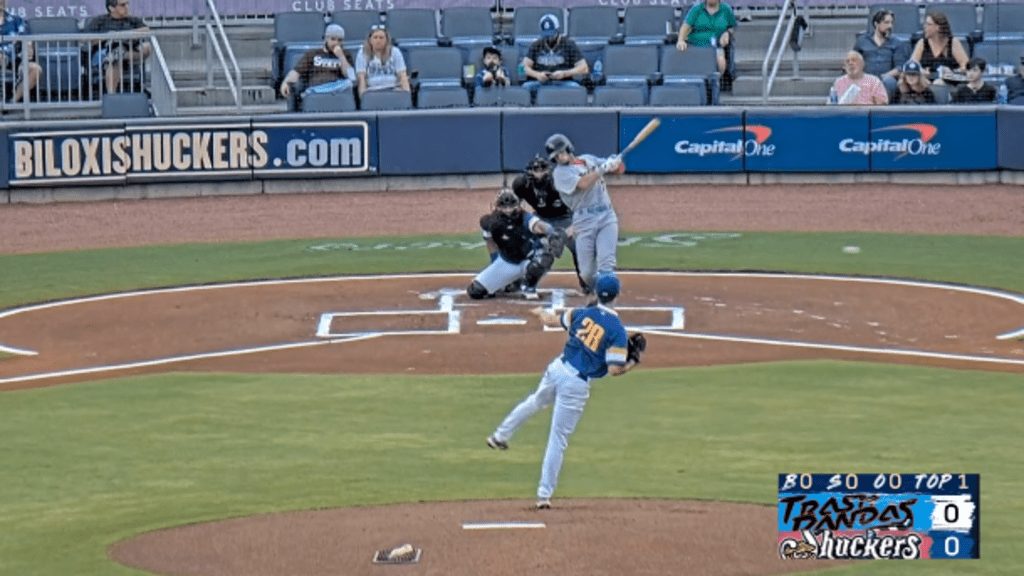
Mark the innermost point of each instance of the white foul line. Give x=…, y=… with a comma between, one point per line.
x=839, y=347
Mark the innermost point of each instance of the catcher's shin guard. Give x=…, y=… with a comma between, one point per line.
x=537, y=268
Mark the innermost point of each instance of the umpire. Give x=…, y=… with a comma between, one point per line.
x=536, y=187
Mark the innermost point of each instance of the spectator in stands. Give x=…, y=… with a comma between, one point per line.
x=379, y=65
x=709, y=23
x=324, y=70
x=117, y=56
x=553, y=59
x=11, y=53
x=883, y=54
x=975, y=90
x=914, y=87
x=857, y=88
x=939, y=49
x=1015, y=85
x=493, y=73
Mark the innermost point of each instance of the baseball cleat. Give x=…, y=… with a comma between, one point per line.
x=531, y=294
x=495, y=443
x=543, y=503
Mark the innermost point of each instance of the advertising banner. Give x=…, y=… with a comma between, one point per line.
x=303, y=147
x=697, y=141
x=806, y=139
x=524, y=133
x=923, y=138
x=182, y=151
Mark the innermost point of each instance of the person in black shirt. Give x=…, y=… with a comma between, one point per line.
x=1015, y=84
x=975, y=90
x=535, y=187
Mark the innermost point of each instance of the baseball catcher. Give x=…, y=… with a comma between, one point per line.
x=523, y=248
x=535, y=187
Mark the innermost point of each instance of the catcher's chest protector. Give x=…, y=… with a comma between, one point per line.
x=510, y=234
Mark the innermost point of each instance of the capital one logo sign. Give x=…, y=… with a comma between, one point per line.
x=750, y=141
x=917, y=140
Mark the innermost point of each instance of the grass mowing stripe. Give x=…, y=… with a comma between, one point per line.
x=88, y=465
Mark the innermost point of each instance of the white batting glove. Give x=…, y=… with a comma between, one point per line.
x=611, y=165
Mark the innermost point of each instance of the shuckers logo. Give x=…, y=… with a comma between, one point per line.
x=752, y=145
x=870, y=545
x=919, y=143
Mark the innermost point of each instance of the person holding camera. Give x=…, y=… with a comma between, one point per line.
x=493, y=73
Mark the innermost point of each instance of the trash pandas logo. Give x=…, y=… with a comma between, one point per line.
x=848, y=526
x=919, y=143
x=869, y=545
x=751, y=145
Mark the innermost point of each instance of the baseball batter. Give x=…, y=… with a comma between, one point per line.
x=597, y=346
x=535, y=187
x=580, y=181
x=518, y=254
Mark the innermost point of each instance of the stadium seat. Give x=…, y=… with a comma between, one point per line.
x=941, y=91
x=294, y=32
x=357, y=26
x=526, y=24
x=561, y=96
x=1002, y=57
x=443, y=97
x=126, y=105
x=412, y=27
x=469, y=29
x=61, y=62
x=501, y=96
x=386, y=100
x=907, y=19
x=631, y=66
x=696, y=65
x=678, y=95
x=620, y=96
x=339, y=102
x=649, y=24
x=593, y=28
x=1002, y=21
x=434, y=66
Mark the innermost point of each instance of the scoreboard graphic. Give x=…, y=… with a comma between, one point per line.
x=879, y=516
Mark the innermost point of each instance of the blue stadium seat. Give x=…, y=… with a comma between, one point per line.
x=338, y=102
x=696, y=65
x=501, y=96
x=357, y=26
x=1002, y=21
x=412, y=27
x=649, y=24
x=294, y=32
x=434, y=66
x=443, y=97
x=61, y=62
x=678, y=95
x=126, y=105
x=561, y=96
x=469, y=29
x=620, y=96
x=386, y=100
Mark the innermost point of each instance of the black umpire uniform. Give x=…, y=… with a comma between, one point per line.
x=546, y=202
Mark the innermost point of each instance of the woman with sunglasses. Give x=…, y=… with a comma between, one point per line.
x=379, y=65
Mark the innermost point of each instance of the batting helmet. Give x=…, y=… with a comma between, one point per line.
x=506, y=199
x=607, y=287
x=556, y=144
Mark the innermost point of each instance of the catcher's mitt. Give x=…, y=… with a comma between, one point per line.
x=556, y=242
x=637, y=345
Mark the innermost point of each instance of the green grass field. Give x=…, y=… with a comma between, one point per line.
x=87, y=465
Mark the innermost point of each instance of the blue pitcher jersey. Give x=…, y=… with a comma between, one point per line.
x=596, y=339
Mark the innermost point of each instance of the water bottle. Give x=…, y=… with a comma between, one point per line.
x=598, y=71
x=1003, y=92
x=833, y=96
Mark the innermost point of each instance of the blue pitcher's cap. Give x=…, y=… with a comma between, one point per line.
x=548, y=25
x=606, y=287
x=335, y=31
x=911, y=67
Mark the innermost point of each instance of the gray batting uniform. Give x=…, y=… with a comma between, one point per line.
x=597, y=226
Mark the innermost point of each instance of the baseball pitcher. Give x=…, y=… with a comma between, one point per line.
x=597, y=346
x=518, y=253
x=580, y=181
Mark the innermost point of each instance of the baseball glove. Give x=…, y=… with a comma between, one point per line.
x=636, y=346
x=556, y=242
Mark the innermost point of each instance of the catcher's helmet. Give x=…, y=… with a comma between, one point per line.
x=506, y=199
x=606, y=287
x=557, y=143
x=537, y=164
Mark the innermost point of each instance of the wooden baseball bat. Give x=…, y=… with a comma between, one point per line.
x=651, y=127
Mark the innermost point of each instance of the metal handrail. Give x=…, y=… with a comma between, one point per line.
x=234, y=84
x=164, y=92
x=768, y=80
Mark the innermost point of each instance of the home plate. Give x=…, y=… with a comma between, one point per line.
x=500, y=525
x=501, y=321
